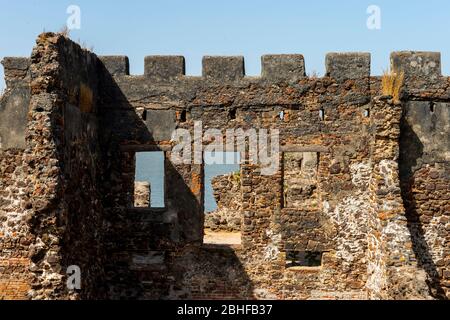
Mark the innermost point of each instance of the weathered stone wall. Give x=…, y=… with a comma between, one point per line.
x=228, y=215
x=393, y=268
x=14, y=232
x=15, y=179
x=53, y=212
x=14, y=103
x=425, y=164
x=352, y=186
x=327, y=206
x=62, y=139
x=223, y=98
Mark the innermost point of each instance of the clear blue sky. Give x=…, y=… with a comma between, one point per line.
x=231, y=27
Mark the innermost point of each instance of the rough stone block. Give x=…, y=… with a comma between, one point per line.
x=425, y=132
x=16, y=69
x=161, y=124
x=142, y=194
x=426, y=65
x=16, y=63
x=116, y=65
x=13, y=118
x=164, y=67
x=283, y=67
x=223, y=68
x=345, y=66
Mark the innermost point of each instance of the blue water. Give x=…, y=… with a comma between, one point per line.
x=150, y=167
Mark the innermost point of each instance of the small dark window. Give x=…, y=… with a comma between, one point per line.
x=322, y=114
x=303, y=259
x=232, y=114
x=144, y=115
x=183, y=116
x=432, y=107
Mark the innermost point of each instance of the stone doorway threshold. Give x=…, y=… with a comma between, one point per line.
x=222, y=238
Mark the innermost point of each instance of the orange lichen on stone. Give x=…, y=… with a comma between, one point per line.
x=196, y=184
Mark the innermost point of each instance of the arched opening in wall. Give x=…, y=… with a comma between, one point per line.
x=223, y=217
x=149, y=185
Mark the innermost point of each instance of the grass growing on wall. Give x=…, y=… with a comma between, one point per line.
x=237, y=176
x=392, y=83
x=65, y=32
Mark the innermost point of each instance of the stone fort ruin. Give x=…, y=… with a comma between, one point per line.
x=359, y=208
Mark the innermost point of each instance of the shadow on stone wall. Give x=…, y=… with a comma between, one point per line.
x=210, y=272
x=411, y=152
x=188, y=207
x=156, y=255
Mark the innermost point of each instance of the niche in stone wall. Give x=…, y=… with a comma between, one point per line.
x=149, y=185
x=300, y=179
x=303, y=259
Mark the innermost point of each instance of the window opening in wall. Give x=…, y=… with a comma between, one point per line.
x=222, y=198
x=232, y=114
x=150, y=180
x=432, y=107
x=322, y=114
x=183, y=116
x=308, y=259
x=367, y=113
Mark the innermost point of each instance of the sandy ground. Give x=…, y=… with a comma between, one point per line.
x=221, y=237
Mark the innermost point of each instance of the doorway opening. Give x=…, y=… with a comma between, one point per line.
x=223, y=217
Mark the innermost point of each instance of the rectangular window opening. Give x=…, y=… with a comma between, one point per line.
x=149, y=185
x=222, y=199
x=304, y=259
x=322, y=114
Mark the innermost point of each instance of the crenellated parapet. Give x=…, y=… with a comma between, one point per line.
x=283, y=81
x=275, y=68
x=355, y=206
x=423, y=78
x=422, y=68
